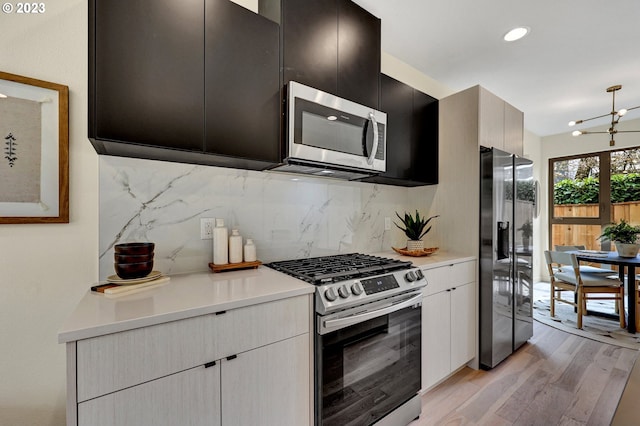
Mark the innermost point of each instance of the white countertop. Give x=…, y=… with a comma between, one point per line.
x=184, y=296
x=201, y=293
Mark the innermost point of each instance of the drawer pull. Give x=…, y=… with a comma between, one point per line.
x=210, y=364
x=229, y=358
x=221, y=312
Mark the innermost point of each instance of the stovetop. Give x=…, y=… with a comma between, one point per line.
x=341, y=267
x=349, y=280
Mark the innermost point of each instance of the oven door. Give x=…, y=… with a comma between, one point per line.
x=367, y=360
x=324, y=128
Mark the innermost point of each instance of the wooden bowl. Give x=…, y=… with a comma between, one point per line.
x=128, y=271
x=134, y=248
x=132, y=258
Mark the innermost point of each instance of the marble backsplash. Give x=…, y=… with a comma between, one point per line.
x=288, y=216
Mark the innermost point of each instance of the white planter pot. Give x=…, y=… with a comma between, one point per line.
x=414, y=245
x=627, y=250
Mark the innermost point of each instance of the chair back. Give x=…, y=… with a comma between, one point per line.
x=569, y=248
x=557, y=259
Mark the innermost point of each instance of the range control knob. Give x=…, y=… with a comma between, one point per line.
x=410, y=276
x=343, y=291
x=356, y=289
x=330, y=294
x=419, y=274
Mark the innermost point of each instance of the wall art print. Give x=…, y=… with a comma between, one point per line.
x=34, y=161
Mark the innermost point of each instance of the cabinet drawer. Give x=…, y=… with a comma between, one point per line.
x=445, y=277
x=116, y=361
x=119, y=360
x=247, y=328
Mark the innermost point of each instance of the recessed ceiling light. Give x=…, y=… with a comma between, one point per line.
x=516, y=34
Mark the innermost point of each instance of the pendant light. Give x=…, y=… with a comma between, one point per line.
x=615, y=117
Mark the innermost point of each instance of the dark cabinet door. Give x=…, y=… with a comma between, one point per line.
x=425, y=138
x=310, y=43
x=358, y=54
x=396, y=100
x=242, y=83
x=146, y=82
x=331, y=45
x=412, y=135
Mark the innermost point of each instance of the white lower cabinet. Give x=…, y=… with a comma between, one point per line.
x=248, y=366
x=449, y=321
x=190, y=397
x=268, y=385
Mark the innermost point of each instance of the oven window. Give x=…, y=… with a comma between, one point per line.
x=368, y=369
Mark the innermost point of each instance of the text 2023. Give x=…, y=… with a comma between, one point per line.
x=30, y=8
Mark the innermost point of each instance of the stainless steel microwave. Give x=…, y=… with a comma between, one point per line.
x=333, y=137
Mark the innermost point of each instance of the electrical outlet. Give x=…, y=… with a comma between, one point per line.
x=206, y=228
x=387, y=223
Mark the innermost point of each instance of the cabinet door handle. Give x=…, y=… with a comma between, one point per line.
x=210, y=364
x=229, y=358
x=221, y=313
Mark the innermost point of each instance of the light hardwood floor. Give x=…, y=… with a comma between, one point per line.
x=555, y=379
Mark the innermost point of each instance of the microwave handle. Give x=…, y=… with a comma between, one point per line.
x=374, y=149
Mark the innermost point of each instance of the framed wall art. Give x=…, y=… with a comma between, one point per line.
x=34, y=137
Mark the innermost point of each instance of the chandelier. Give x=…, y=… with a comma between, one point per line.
x=615, y=117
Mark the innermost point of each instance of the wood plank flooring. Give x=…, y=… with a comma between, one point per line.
x=555, y=379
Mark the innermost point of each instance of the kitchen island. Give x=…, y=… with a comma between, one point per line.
x=193, y=351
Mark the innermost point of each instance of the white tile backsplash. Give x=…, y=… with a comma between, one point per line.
x=288, y=216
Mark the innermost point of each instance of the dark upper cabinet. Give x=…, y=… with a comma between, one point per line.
x=145, y=72
x=331, y=45
x=310, y=43
x=242, y=80
x=412, y=135
x=167, y=84
x=358, y=54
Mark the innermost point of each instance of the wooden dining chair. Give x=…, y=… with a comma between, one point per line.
x=587, y=268
x=565, y=275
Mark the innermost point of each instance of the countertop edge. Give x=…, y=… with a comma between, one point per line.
x=72, y=335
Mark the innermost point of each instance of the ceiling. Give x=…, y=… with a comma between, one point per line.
x=559, y=72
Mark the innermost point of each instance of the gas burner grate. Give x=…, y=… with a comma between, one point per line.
x=341, y=267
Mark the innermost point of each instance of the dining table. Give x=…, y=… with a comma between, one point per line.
x=626, y=272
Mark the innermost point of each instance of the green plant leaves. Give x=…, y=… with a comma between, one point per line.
x=621, y=232
x=624, y=187
x=414, y=229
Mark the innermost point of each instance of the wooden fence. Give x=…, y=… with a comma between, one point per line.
x=587, y=235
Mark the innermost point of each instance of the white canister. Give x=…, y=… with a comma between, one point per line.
x=250, y=251
x=220, y=243
x=235, y=247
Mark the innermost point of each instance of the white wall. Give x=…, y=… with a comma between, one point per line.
x=46, y=268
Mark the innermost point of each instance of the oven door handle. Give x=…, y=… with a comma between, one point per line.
x=335, y=324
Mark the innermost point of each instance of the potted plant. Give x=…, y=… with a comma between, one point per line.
x=527, y=232
x=624, y=237
x=414, y=229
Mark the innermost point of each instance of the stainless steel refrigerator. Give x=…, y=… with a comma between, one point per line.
x=508, y=195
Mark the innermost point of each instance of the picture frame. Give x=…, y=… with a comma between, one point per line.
x=34, y=136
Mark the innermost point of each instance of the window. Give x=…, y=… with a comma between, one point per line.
x=590, y=191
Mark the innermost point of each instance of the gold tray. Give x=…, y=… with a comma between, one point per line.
x=416, y=253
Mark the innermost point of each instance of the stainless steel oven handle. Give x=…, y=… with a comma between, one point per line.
x=354, y=319
x=374, y=149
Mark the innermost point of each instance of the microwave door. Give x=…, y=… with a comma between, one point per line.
x=325, y=129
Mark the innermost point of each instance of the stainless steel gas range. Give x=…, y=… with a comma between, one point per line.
x=367, y=337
